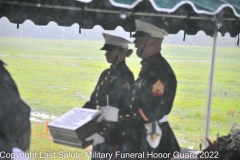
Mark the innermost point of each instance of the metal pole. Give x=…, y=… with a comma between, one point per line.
x=107, y=100
x=210, y=83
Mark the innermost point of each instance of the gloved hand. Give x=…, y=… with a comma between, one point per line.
x=97, y=139
x=109, y=113
x=18, y=154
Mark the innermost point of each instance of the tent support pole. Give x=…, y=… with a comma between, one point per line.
x=210, y=83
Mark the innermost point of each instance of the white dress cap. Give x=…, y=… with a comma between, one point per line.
x=150, y=29
x=115, y=41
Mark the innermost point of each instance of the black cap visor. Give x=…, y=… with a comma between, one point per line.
x=140, y=34
x=110, y=47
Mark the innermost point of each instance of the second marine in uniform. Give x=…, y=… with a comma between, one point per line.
x=114, y=83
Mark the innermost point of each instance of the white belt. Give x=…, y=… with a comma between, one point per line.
x=164, y=119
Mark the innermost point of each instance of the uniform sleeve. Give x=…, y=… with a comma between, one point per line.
x=92, y=103
x=125, y=89
x=159, y=95
x=120, y=88
x=106, y=128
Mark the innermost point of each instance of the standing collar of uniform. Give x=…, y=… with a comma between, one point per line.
x=121, y=64
x=151, y=59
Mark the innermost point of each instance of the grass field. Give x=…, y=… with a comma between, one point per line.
x=54, y=76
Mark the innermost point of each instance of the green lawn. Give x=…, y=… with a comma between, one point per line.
x=54, y=76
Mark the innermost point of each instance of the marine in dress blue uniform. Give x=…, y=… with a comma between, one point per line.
x=114, y=83
x=152, y=96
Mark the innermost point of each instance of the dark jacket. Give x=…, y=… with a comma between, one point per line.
x=152, y=97
x=116, y=82
x=14, y=115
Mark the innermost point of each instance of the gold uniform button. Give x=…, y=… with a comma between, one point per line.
x=120, y=116
x=104, y=129
x=130, y=106
x=134, y=114
x=101, y=83
x=106, y=78
x=127, y=115
x=108, y=124
x=133, y=99
x=96, y=95
x=97, y=88
x=98, y=107
x=101, y=133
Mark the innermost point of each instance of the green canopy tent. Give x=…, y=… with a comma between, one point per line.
x=191, y=16
x=173, y=16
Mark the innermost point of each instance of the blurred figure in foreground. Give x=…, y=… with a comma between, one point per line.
x=15, y=126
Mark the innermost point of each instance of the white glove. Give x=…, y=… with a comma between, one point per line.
x=100, y=112
x=108, y=113
x=97, y=139
x=18, y=154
